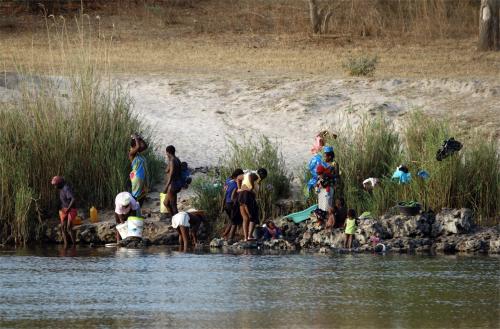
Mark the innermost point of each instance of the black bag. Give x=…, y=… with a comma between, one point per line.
x=449, y=147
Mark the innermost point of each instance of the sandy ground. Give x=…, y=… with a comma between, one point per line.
x=198, y=113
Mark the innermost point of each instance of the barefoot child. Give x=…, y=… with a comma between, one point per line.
x=350, y=228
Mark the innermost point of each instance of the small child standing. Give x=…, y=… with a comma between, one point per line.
x=350, y=228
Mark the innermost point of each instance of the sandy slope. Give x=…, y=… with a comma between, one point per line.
x=196, y=114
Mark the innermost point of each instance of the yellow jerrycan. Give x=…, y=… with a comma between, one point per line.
x=93, y=215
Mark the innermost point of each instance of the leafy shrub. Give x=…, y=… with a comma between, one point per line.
x=361, y=66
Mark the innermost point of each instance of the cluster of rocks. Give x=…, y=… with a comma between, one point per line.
x=154, y=232
x=451, y=230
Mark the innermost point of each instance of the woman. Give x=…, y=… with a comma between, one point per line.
x=138, y=175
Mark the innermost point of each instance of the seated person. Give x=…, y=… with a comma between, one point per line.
x=271, y=231
x=124, y=205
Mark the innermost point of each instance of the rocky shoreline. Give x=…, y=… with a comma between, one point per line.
x=450, y=231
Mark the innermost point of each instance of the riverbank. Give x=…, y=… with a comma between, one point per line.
x=450, y=231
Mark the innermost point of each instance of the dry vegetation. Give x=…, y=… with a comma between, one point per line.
x=415, y=38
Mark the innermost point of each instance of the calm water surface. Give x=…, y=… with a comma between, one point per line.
x=159, y=287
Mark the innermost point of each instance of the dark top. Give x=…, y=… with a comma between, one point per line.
x=340, y=216
x=66, y=195
x=248, y=198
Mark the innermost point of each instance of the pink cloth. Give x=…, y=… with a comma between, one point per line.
x=318, y=145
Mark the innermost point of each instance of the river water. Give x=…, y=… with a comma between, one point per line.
x=160, y=287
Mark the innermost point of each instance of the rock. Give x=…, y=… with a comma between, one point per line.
x=306, y=240
x=494, y=245
x=246, y=245
x=445, y=247
x=106, y=232
x=160, y=233
x=133, y=242
x=325, y=250
x=472, y=245
x=217, y=243
x=278, y=244
x=453, y=221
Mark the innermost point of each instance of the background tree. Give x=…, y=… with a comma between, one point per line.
x=319, y=17
x=489, y=28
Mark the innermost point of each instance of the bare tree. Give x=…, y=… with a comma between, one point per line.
x=319, y=17
x=489, y=26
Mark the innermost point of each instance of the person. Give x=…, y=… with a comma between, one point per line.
x=187, y=225
x=339, y=215
x=327, y=172
x=247, y=198
x=350, y=228
x=231, y=205
x=174, y=182
x=138, y=174
x=68, y=211
x=124, y=205
x=271, y=231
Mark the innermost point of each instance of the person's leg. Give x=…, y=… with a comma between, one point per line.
x=171, y=201
x=251, y=227
x=246, y=220
x=349, y=245
x=63, y=232
x=71, y=233
x=180, y=235
x=184, y=235
x=118, y=221
x=346, y=237
x=231, y=232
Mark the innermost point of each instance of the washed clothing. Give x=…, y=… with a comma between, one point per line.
x=350, y=226
x=138, y=177
x=248, y=198
x=66, y=195
x=180, y=219
x=123, y=210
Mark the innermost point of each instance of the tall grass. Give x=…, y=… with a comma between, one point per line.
x=76, y=123
x=469, y=178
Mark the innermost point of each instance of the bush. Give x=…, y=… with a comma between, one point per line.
x=470, y=178
x=208, y=196
x=361, y=66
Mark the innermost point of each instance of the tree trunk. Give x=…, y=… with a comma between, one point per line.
x=489, y=28
x=314, y=14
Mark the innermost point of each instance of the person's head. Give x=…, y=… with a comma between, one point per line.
x=340, y=202
x=123, y=203
x=329, y=154
x=58, y=182
x=170, y=150
x=351, y=213
x=262, y=172
x=236, y=173
x=271, y=225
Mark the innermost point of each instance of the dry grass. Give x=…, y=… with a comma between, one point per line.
x=417, y=38
x=227, y=54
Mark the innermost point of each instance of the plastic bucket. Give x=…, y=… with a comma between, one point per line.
x=163, y=209
x=135, y=226
x=122, y=229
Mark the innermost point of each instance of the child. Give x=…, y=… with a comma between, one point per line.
x=271, y=231
x=350, y=228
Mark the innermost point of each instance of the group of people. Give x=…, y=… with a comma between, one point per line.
x=240, y=202
x=129, y=203
x=325, y=180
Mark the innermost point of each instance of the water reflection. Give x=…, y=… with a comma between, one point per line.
x=162, y=287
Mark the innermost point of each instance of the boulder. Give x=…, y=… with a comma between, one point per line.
x=106, y=232
x=472, y=244
x=453, y=221
x=494, y=245
x=160, y=233
x=217, y=243
x=133, y=242
x=278, y=244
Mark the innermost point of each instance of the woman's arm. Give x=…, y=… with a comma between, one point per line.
x=169, y=174
x=134, y=150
